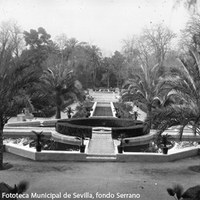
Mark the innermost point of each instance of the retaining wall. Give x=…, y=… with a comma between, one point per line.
x=44, y=155
x=156, y=157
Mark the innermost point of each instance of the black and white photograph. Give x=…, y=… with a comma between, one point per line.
x=99, y=99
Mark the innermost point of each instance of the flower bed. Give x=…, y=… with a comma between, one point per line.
x=47, y=144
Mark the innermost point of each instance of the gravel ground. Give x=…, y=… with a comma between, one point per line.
x=148, y=180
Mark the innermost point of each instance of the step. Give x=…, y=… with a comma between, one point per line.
x=101, y=159
x=101, y=129
x=101, y=155
x=101, y=132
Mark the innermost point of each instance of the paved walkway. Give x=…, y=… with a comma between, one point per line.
x=104, y=96
x=101, y=144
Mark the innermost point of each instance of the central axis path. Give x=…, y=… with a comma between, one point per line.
x=101, y=147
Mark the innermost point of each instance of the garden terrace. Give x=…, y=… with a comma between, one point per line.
x=76, y=127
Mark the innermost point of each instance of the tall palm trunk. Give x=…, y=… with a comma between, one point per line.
x=108, y=80
x=1, y=145
x=58, y=112
x=94, y=77
x=149, y=115
x=108, y=83
x=58, y=104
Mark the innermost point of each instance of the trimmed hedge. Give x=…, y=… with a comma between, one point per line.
x=138, y=148
x=132, y=131
x=102, y=121
x=73, y=130
x=77, y=127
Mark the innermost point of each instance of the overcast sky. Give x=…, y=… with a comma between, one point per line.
x=104, y=23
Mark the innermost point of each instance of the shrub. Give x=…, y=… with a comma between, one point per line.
x=46, y=112
x=132, y=131
x=123, y=109
x=74, y=130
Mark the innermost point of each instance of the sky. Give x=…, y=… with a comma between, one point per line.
x=105, y=23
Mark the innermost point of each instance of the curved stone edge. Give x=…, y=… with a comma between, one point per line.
x=144, y=139
x=55, y=135
x=27, y=124
x=35, y=123
x=65, y=139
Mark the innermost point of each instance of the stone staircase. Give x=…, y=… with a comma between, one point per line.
x=101, y=147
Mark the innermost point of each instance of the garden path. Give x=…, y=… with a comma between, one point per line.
x=101, y=144
x=101, y=147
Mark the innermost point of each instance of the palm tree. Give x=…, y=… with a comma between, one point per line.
x=176, y=191
x=143, y=89
x=69, y=111
x=184, y=81
x=13, y=80
x=94, y=59
x=59, y=82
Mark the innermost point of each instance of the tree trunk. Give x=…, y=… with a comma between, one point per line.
x=58, y=112
x=58, y=103
x=108, y=83
x=149, y=110
x=1, y=146
x=94, y=77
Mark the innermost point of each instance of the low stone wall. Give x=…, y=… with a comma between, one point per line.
x=44, y=155
x=44, y=123
x=156, y=157
x=49, y=123
x=77, y=156
x=20, y=151
x=65, y=139
x=24, y=124
x=59, y=156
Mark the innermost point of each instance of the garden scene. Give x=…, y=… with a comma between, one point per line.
x=77, y=122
